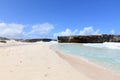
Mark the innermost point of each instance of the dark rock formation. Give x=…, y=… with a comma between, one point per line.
x=37, y=40
x=3, y=41
x=3, y=38
x=89, y=38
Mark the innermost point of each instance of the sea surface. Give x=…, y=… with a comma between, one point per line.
x=105, y=54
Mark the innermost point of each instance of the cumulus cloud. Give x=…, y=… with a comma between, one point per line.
x=39, y=30
x=11, y=30
x=89, y=30
x=14, y=30
x=85, y=31
x=66, y=33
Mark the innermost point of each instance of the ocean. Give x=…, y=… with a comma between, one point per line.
x=105, y=54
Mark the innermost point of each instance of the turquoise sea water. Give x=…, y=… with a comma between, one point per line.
x=106, y=54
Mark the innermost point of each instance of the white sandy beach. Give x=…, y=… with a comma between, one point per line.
x=35, y=61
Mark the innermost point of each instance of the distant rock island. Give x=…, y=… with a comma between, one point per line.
x=4, y=40
x=38, y=40
x=89, y=38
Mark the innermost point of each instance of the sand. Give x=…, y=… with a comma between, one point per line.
x=88, y=68
x=35, y=61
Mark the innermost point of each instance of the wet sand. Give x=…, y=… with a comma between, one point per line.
x=88, y=68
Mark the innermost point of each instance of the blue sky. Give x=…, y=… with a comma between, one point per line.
x=50, y=18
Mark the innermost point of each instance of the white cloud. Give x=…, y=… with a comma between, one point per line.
x=112, y=32
x=85, y=31
x=41, y=30
x=44, y=28
x=11, y=30
x=66, y=33
x=89, y=30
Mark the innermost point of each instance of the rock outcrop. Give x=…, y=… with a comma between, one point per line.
x=3, y=40
x=37, y=40
x=89, y=38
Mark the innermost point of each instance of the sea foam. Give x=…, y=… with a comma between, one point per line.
x=105, y=54
x=107, y=45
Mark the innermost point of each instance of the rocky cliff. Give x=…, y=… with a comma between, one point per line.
x=89, y=38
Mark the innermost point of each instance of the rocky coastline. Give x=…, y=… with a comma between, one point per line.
x=89, y=38
x=4, y=40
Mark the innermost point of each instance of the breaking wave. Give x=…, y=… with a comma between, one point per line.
x=108, y=45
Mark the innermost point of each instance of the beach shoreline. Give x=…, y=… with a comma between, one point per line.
x=35, y=61
x=28, y=61
x=88, y=68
